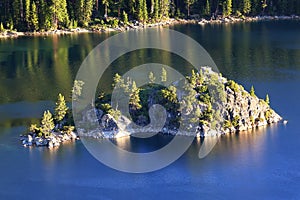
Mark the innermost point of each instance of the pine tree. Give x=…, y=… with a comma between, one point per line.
x=188, y=5
x=47, y=124
x=227, y=8
x=151, y=77
x=156, y=10
x=60, y=108
x=267, y=100
x=140, y=10
x=76, y=90
x=207, y=8
x=59, y=13
x=163, y=75
x=106, y=5
x=87, y=12
x=27, y=14
x=145, y=11
x=252, y=91
x=246, y=6
x=164, y=9
x=134, y=100
x=1, y=27
x=34, y=17
x=17, y=14
x=125, y=17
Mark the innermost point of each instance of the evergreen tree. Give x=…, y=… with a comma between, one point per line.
x=60, y=108
x=163, y=75
x=76, y=90
x=1, y=27
x=151, y=77
x=145, y=11
x=267, y=100
x=17, y=13
x=252, y=91
x=164, y=9
x=227, y=8
x=27, y=14
x=140, y=10
x=47, y=124
x=246, y=6
x=134, y=99
x=59, y=13
x=207, y=8
x=156, y=10
x=87, y=12
x=34, y=22
x=125, y=17
x=106, y=5
x=188, y=5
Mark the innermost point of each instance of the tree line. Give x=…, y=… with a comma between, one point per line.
x=38, y=15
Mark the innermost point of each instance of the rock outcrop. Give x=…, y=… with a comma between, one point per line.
x=54, y=140
x=235, y=110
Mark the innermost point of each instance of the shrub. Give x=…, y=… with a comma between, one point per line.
x=235, y=121
x=227, y=124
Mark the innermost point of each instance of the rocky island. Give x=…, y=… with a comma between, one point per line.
x=214, y=106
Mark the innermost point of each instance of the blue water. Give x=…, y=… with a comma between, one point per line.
x=263, y=164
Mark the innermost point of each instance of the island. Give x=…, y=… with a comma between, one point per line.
x=212, y=104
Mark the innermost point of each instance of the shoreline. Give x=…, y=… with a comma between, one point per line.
x=137, y=25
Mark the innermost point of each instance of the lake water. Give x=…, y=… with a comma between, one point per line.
x=264, y=163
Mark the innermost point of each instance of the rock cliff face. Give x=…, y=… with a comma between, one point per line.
x=219, y=106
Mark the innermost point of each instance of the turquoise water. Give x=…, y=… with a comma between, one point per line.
x=260, y=164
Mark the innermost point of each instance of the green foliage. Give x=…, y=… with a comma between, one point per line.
x=216, y=90
x=114, y=23
x=252, y=119
x=268, y=114
x=60, y=108
x=235, y=121
x=47, y=124
x=34, y=22
x=134, y=98
x=207, y=8
x=246, y=6
x=31, y=15
x=227, y=8
x=267, y=99
x=114, y=113
x=252, y=91
x=1, y=27
x=69, y=129
x=58, y=10
x=34, y=128
x=227, y=124
x=233, y=86
x=125, y=17
x=188, y=4
x=163, y=75
x=77, y=88
x=151, y=77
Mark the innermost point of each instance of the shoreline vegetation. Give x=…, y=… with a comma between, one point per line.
x=46, y=17
x=121, y=26
x=206, y=105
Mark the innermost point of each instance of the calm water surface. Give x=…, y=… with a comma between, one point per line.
x=262, y=164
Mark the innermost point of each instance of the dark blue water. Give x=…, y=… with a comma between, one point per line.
x=264, y=163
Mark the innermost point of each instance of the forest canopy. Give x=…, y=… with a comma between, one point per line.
x=39, y=15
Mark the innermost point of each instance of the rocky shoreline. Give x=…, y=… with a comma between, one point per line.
x=54, y=140
x=136, y=25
